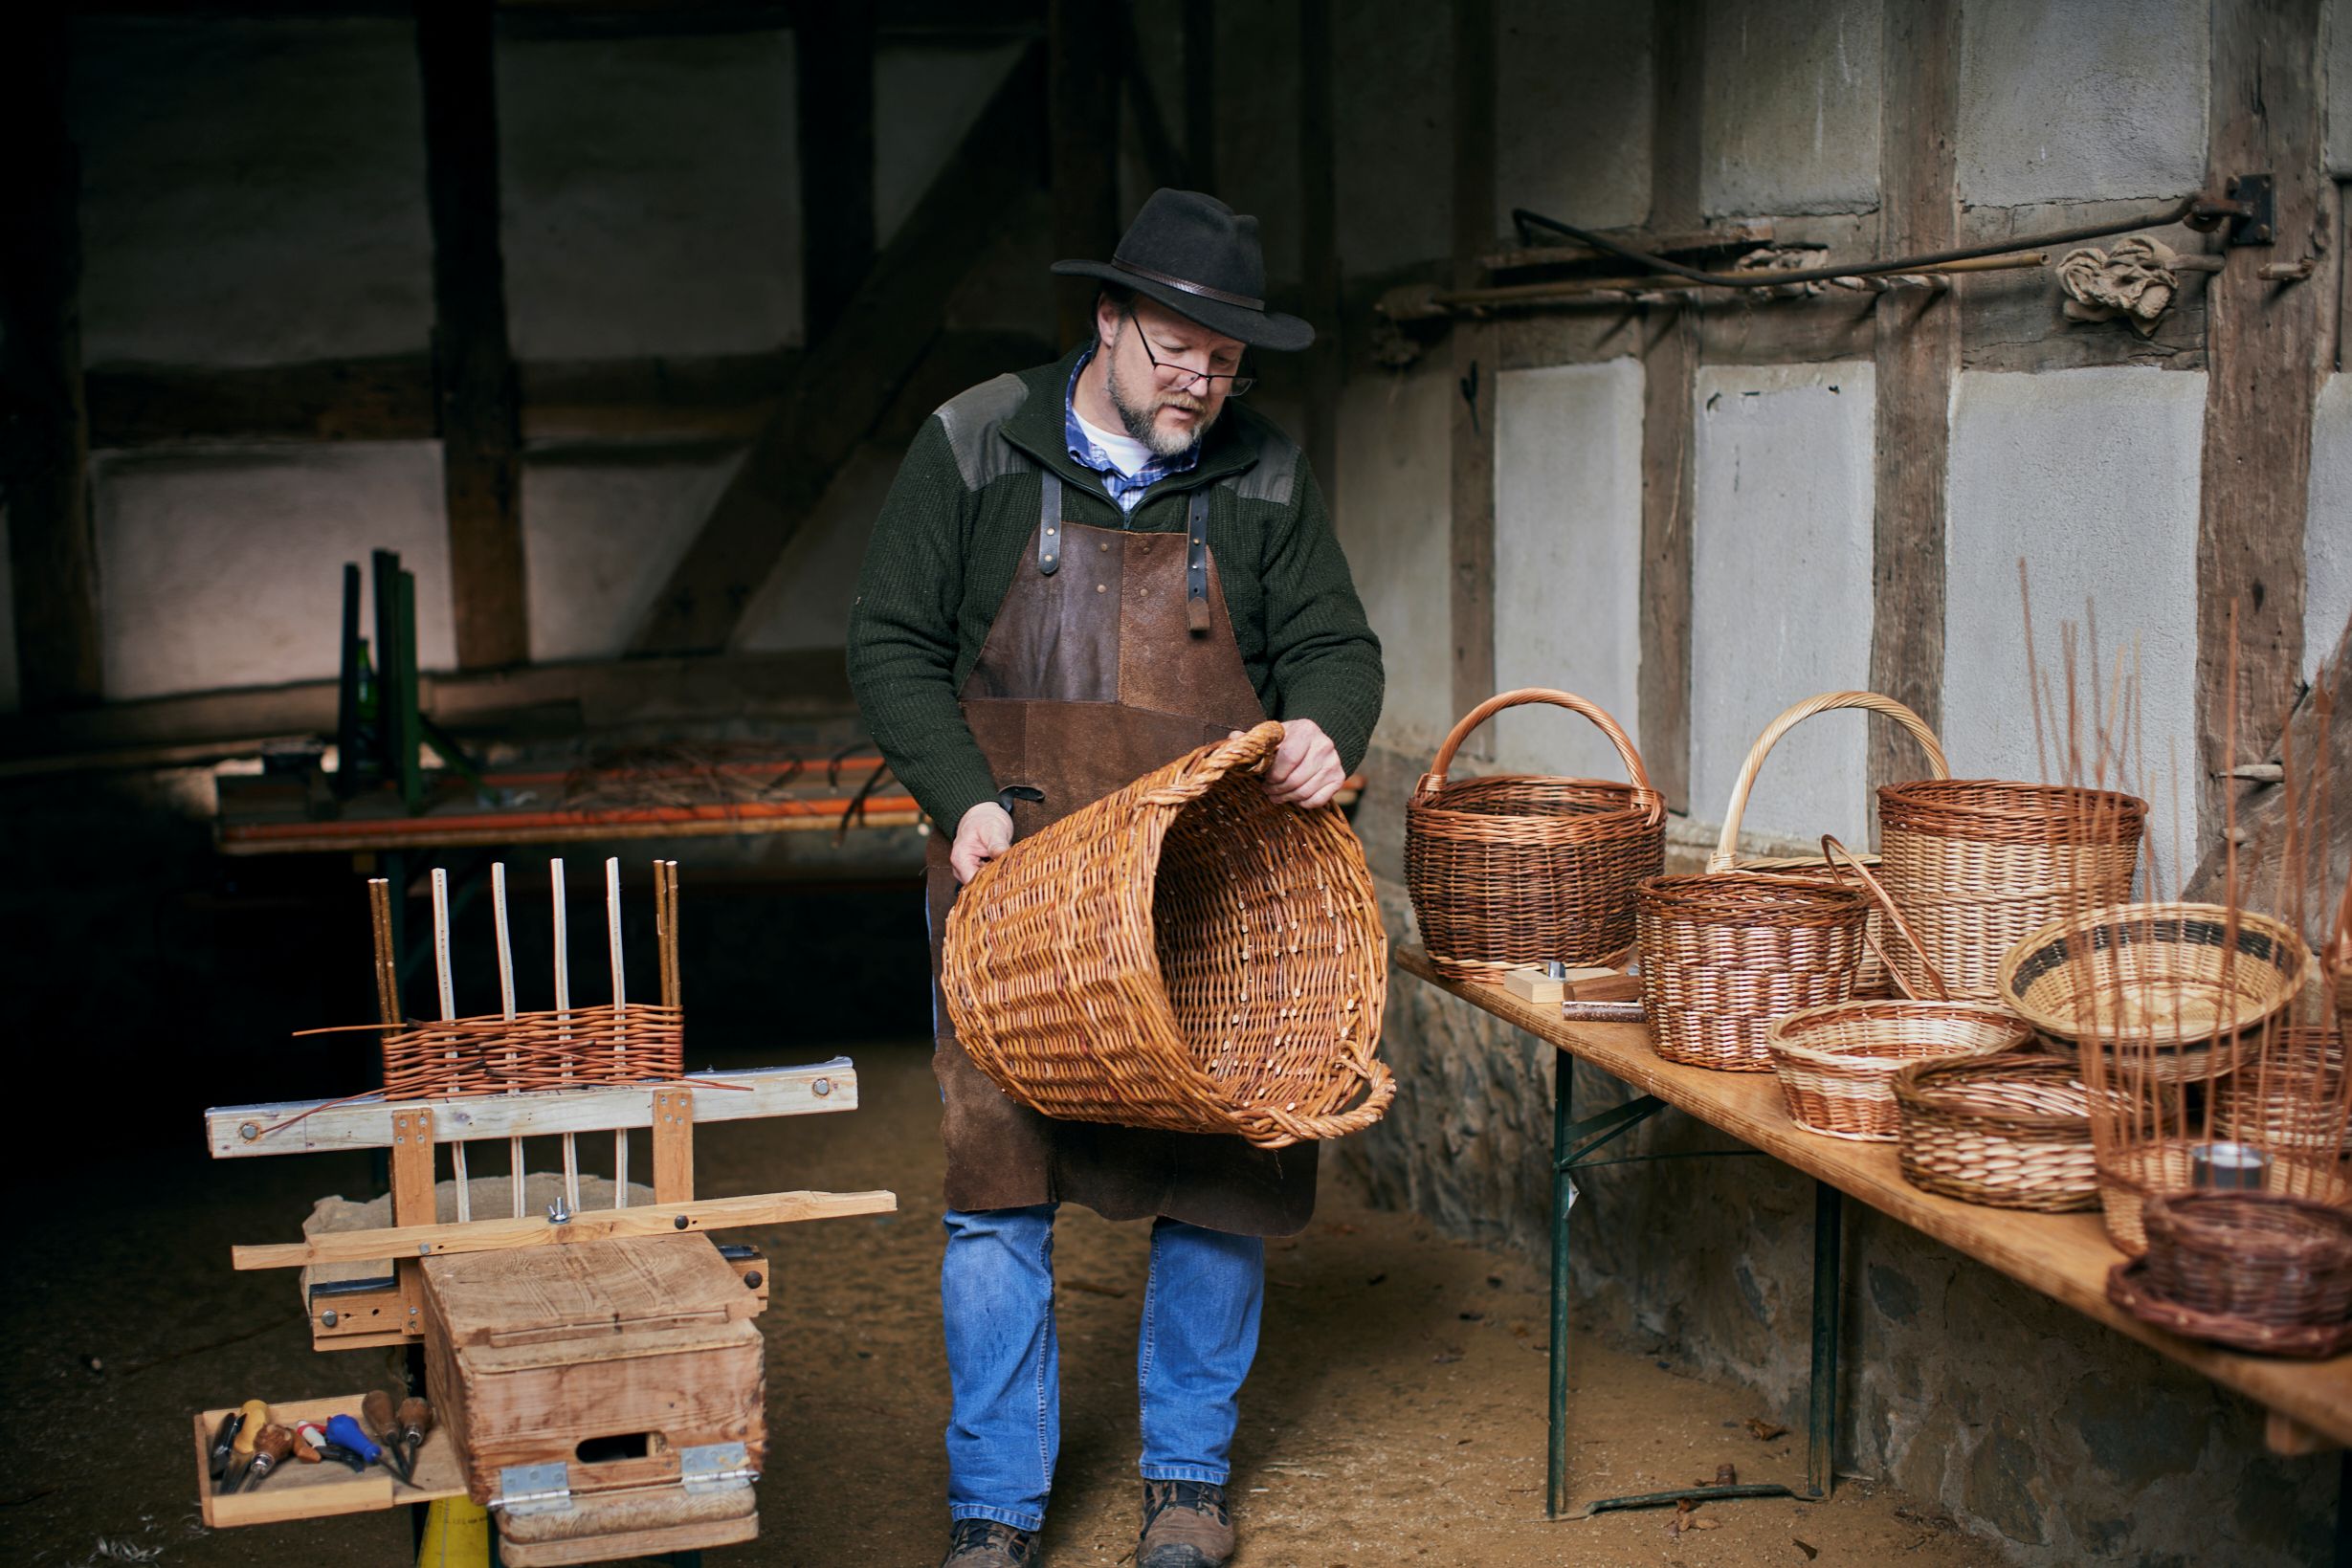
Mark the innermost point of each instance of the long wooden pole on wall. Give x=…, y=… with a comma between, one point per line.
x=44, y=418
x=1669, y=369
x=2266, y=348
x=1477, y=360
x=473, y=369
x=1918, y=353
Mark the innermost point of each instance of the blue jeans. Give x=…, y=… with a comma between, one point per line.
x=1198, y=1337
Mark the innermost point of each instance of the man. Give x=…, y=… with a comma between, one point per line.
x=1084, y=572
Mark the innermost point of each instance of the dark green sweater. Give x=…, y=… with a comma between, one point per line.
x=965, y=508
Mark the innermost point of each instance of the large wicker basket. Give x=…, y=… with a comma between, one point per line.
x=1978, y=865
x=1723, y=957
x=1871, y=979
x=1515, y=869
x=1183, y=954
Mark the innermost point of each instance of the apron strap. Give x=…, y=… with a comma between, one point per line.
x=1049, y=526
x=1196, y=563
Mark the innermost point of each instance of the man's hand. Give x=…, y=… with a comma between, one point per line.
x=985, y=833
x=1305, y=768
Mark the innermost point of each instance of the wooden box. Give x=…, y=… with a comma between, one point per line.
x=295, y=1490
x=629, y=1362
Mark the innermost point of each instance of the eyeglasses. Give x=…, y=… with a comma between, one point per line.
x=1176, y=378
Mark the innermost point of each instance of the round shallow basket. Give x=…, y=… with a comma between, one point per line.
x=1978, y=864
x=1837, y=1064
x=1722, y=958
x=2161, y=988
x=2128, y=1286
x=2011, y=1131
x=1183, y=954
x=1513, y=871
x=2292, y=1097
x=1871, y=979
x=2130, y=1178
x=2259, y=1255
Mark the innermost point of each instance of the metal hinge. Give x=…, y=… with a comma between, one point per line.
x=526, y=1489
x=715, y=1466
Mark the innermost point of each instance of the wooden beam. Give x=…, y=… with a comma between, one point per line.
x=1325, y=361
x=1917, y=353
x=2264, y=347
x=1082, y=85
x=1669, y=367
x=1200, y=57
x=474, y=372
x=1477, y=360
x=833, y=61
x=1162, y=163
x=44, y=421
x=848, y=380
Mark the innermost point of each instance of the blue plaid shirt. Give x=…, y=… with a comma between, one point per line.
x=1127, y=490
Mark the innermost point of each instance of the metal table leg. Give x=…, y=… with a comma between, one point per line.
x=1821, y=1415
x=1556, y=1441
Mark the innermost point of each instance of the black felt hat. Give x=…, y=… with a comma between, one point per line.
x=1201, y=259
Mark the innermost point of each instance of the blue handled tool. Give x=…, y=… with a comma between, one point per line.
x=347, y=1432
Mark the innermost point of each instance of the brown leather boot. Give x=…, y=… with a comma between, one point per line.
x=1185, y=1526
x=983, y=1543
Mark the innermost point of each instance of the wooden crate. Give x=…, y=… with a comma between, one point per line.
x=639, y=1348
x=295, y=1490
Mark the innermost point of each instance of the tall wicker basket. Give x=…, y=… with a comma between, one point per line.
x=1723, y=957
x=1871, y=981
x=1183, y=954
x=1515, y=869
x=1978, y=865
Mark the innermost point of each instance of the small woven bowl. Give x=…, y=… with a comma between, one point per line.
x=1837, y=1063
x=2010, y=1131
x=2264, y=1256
x=2157, y=982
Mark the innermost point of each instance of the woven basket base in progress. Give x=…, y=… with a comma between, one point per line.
x=2127, y=1178
x=2128, y=1288
x=1183, y=954
x=1837, y=1064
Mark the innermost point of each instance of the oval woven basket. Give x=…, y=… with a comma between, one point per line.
x=2011, y=1131
x=1182, y=954
x=1515, y=869
x=2160, y=987
x=1873, y=980
x=1722, y=958
x=1837, y=1064
x=2130, y=1178
x=1980, y=864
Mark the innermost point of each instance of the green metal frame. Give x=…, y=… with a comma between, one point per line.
x=1573, y=1144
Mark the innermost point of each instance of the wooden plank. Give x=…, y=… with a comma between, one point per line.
x=848, y=382
x=514, y=1298
x=413, y=1203
x=1670, y=368
x=1082, y=85
x=2285, y=1435
x=2064, y=1257
x=2264, y=345
x=833, y=57
x=1477, y=361
x=316, y=1491
x=1836, y=324
x=673, y=1145
x=45, y=433
x=408, y=1242
x=686, y=1540
x=331, y=1125
x=1917, y=353
x=473, y=370
x=1672, y=243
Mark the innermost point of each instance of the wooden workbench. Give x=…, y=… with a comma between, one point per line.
x=2064, y=1257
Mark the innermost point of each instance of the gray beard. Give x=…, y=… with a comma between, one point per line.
x=1138, y=420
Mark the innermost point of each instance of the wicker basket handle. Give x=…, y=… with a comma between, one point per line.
x=1270, y=1127
x=1726, y=845
x=1831, y=852
x=1434, y=779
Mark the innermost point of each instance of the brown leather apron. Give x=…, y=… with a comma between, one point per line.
x=1093, y=674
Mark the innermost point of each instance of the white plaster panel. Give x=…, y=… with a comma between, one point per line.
x=1392, y=109
x=2327, y=528
x=1790, y=122
x=2091, y=478
x=225, y=567
x=650, y=195
x=253, y=190
x=601, y=537
x=806, y=601
x=1781, y=589
x=2060, y=103
x=10, y=686
x=1568, y=559
x=1394, y=507
x=924, y=100
x=1572, y=111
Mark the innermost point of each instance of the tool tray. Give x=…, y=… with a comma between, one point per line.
x=295, y=1490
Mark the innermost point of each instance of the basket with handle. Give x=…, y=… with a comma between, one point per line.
x=1513, y=870
x=1873, y=980
x=1722, y=958
x=1981, y=864
x=1183, y=954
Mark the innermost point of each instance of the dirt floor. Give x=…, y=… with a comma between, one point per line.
x=1396, y=1413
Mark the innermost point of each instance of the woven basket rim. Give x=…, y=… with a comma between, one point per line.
x=1936, y=1099
x=2284, y=984
x=1695, y=890
x=2058, y=803
x=2201, y=1220
x=1785, y=1035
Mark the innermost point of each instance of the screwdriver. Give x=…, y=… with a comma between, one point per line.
x=241, y=1451
x=270, y=1451
x=376, y=1415
x=415, y=1420
x=345, y=1433
x=306, y=1440
x=224, y=1440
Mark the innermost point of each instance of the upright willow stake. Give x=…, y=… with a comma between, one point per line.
x=506, y=1007
x=449, y=1015
x=620, y=1007
x=563, y=1014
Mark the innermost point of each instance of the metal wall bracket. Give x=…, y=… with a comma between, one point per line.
x=715, y=1466
x=526, y=1489
x=2259, y=223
